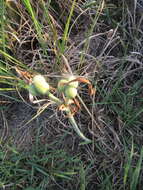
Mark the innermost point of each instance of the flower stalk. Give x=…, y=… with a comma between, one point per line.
x=70, y=117
x=68, y=87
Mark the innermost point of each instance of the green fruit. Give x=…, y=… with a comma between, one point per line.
x=40, y=84
x=70, y=92
x=73, y=84
x=32, y=90
x=61, y=85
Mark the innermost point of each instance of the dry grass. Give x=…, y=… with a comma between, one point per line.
x=104, y=44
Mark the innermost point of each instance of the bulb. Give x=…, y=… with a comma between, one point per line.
x=40, y=84
x=32, y=90
x=73, y=84
x=61, y=85
x=70, y=92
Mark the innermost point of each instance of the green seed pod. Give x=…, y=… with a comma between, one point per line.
x=61, y=85
x=40, y=84
x=73, y=84
x=32, y=90
x=70, y=92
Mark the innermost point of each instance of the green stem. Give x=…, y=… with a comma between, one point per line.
x=75, y=126
x=54, y=99
x=70, y=116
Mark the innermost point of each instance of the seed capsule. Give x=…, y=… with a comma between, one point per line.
x=73, y=84
x=40, y=84
x=61, y=85
x=32, y=90
x=70, y=92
